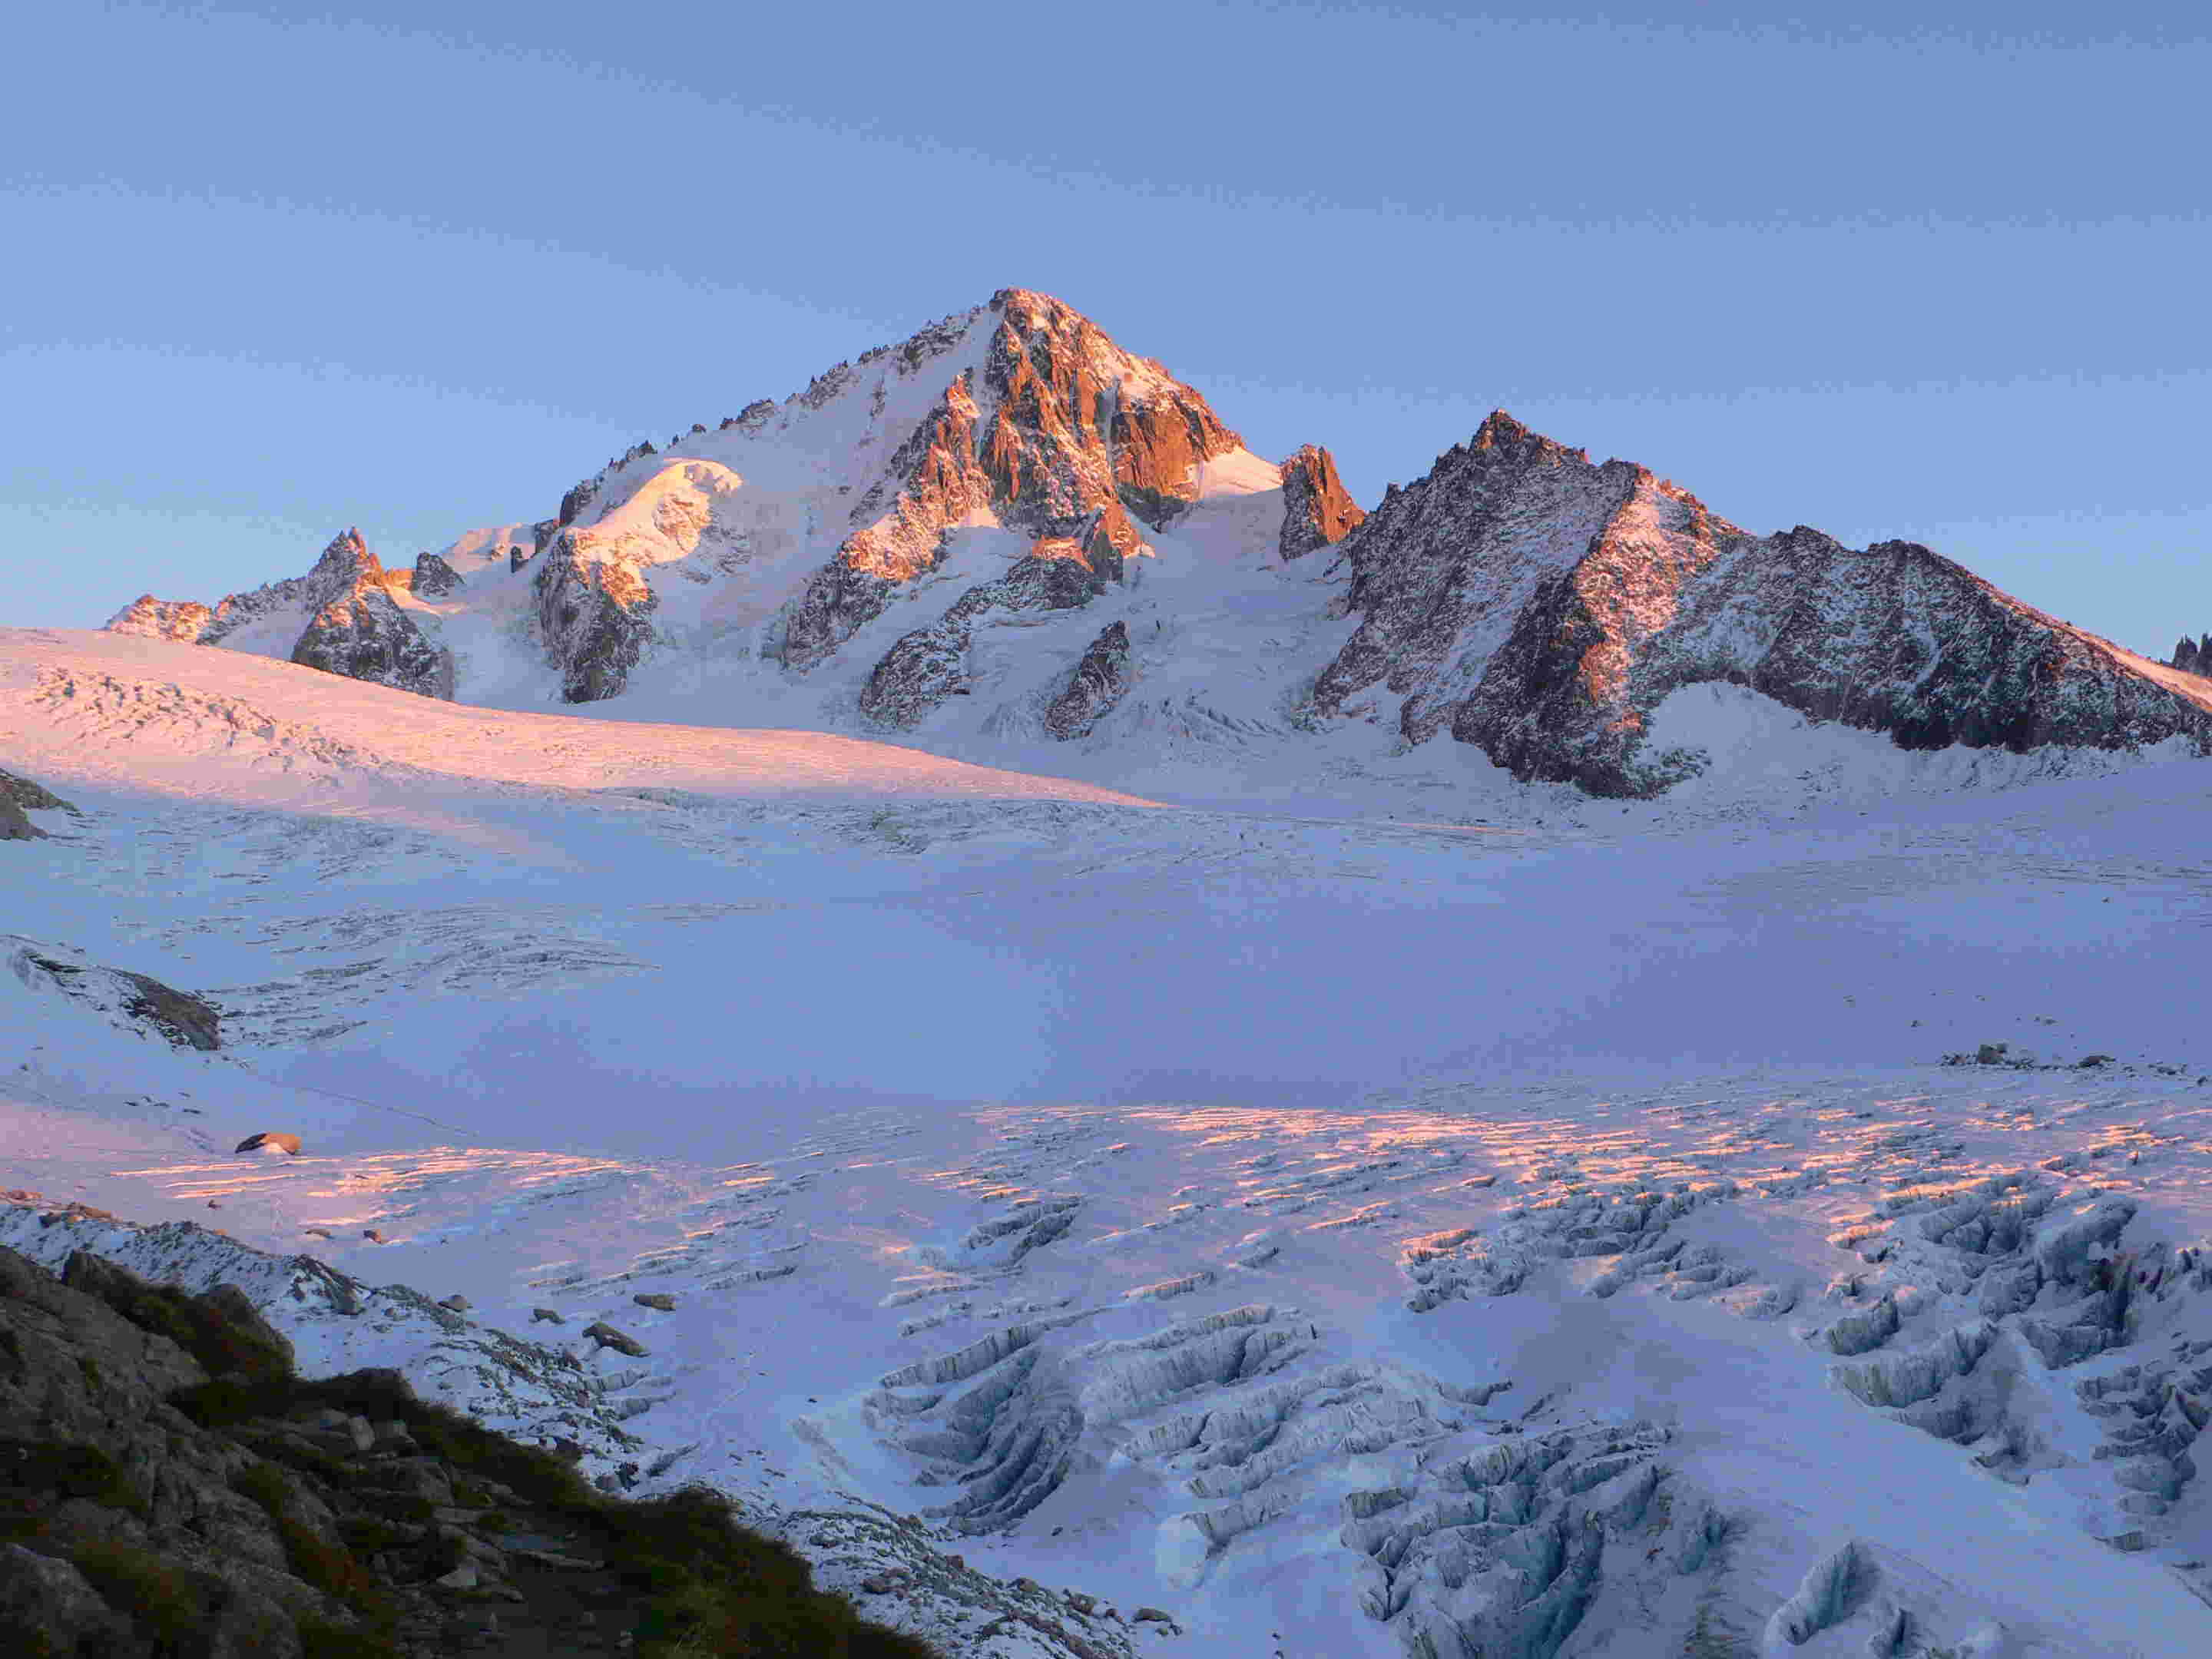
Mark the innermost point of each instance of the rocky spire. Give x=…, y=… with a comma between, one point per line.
x=355, y=629
x=1317, y=511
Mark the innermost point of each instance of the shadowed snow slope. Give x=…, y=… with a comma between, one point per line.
x=1550, y=1236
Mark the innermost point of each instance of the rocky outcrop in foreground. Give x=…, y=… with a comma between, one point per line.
x=170, y=1489
x=1541, y=607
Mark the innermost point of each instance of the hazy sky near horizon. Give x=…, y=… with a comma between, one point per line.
x=1933, y=272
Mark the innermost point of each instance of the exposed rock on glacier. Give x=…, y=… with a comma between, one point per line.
x=132, y=1000
x=1317, y=511
x=1541, y=606
x=929, y=664
x=1100, y=681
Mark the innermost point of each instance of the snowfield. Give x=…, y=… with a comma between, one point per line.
x=1346, y=1200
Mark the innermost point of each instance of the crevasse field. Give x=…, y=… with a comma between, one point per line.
x=1433, y=1210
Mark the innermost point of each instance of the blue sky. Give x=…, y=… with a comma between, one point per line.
x=273, y=271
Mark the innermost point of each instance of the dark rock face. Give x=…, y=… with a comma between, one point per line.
x=1317, y=511
x=353, y=628
x=929, y=664
x=2193, y=656
x=132, y=1000
x=595, y=617
x=188, y=1021
x=1100, y=681
x=1540, y=606
x=434, y=577
x=358, y=631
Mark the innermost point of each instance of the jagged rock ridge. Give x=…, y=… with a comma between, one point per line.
x=351, y=626
x=1541, y=607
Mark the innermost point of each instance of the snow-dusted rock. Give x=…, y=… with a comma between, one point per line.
x=434, y=578
x=1540, y=606
x=594, y=615
x=355, y=629
x=131, y=1000
x=1318, y=510
x=1100, y=681
x=930, y=664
